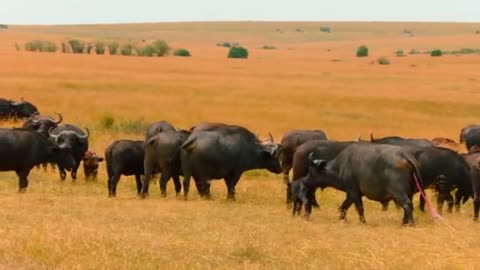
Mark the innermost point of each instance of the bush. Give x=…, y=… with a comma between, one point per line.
x=100, y=46
x=413, y=51
x=161, y=47
x=269, y=47
x=325, y=29
x=362, y=51
x=3, y=26
x=40, y=46
x=147, y=50
x=477, y=32
x=383, y=61
x=224, y=44
x=400, y=53
x=436, y=52
x=107, y=122
x=182, y=52
x=238, y=52
x=77, y=45
x=113, y=47
x=126, y=49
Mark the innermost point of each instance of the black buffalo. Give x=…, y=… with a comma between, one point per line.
x=162, y=154
x=379, y=172
x=21, y=150
x=225, y=152
x=16, y=109
x=473, y=161
x=75, y=139
x=124, y=157
x=470, y=135
x=326, y=150
x=290, y=141
x=396, y=140
x=42, y=124
x=156, y=128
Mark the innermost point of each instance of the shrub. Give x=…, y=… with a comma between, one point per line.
x=182, y=52
x=224, y=44
x=436, y=52
x=77, y=45
x=161, y=47
x=383, y=61
x=325, y=29
x=238, y=52
x=3, y=26
x=362, y=51
x=113, y=47
x=269, y=47
x=40, y=46
x=399, y=53
x=107, y=122
x=477, y=32
x=413, y=51
x=147, y=50
x=126, y=49
x=467, y=51
x=100, y=46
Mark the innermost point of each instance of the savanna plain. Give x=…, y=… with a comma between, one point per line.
x=311, y=80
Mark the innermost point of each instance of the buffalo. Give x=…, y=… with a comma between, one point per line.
x=396, y=140
x=470, y=135
x=90, y=165
x=42, y=124
x=16, y=109
x=290, y=141
x=473, y=161
x=124, y=157
x=225, y=152
x=21, y=150
x=158, y=127
x=379, y=172
x=74, y=138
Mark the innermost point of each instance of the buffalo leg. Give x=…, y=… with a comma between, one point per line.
x=406, y=203
x=359, y=206
x=458, y=200
x=286, y=167
x=422, y=203
x=476, y=208
x=112, y=185
x=138, y=181
x=163, y=183
x=22, y=180
x=178, y=185
x=344, y=207
x=63, y=174
x=384, y=206
x=450, y=203
x=231, y=183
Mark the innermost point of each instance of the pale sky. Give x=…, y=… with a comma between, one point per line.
x=122, y=11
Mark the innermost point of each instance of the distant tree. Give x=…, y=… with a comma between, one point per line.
x=77, y=45
x=325, y=29
x=238, y=52
x=436, y=53
x=362, y=51
x=182, y=52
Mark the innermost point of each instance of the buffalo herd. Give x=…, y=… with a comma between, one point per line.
x=381, y=169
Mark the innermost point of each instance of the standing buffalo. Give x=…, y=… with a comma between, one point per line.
x=16, y=109
x=470, y=135
x=379, y=172
x=124, y=157
x=473, y=161
x=156, y=128
x=225, y=152
x=90, y=165
x=290, y=141
x=73, y=138
x=162, y=154
x=42, y=124
x=21, y=150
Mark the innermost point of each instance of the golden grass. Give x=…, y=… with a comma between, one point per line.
x=308, y=82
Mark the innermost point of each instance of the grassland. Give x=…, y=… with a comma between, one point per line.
x=312, y=80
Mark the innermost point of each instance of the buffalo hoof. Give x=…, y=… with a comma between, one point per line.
x=362, y=220
x=112, y=195
x=22, y=190
x=475, y=218
x=410, y=224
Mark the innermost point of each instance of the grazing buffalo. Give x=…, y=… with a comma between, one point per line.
x=21, y=150
x=42, y=124
x=16, y=109
x=473, y=161
x=225, y=152
x=156, y=128
x=162, y=154
x=124, y=157
x=73, y=138
x=90, y=165
x=322, y=149
x=290, y=141
x=470, y=135
x=379, y=172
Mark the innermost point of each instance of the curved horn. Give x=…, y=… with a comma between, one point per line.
x=359, y=139
x=34, y=117
x=83, y=136
x=60, y=118
x=53, y=135
x=371, y=137
x=270, y=137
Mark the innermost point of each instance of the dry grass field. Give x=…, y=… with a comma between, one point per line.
x=313, y=80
